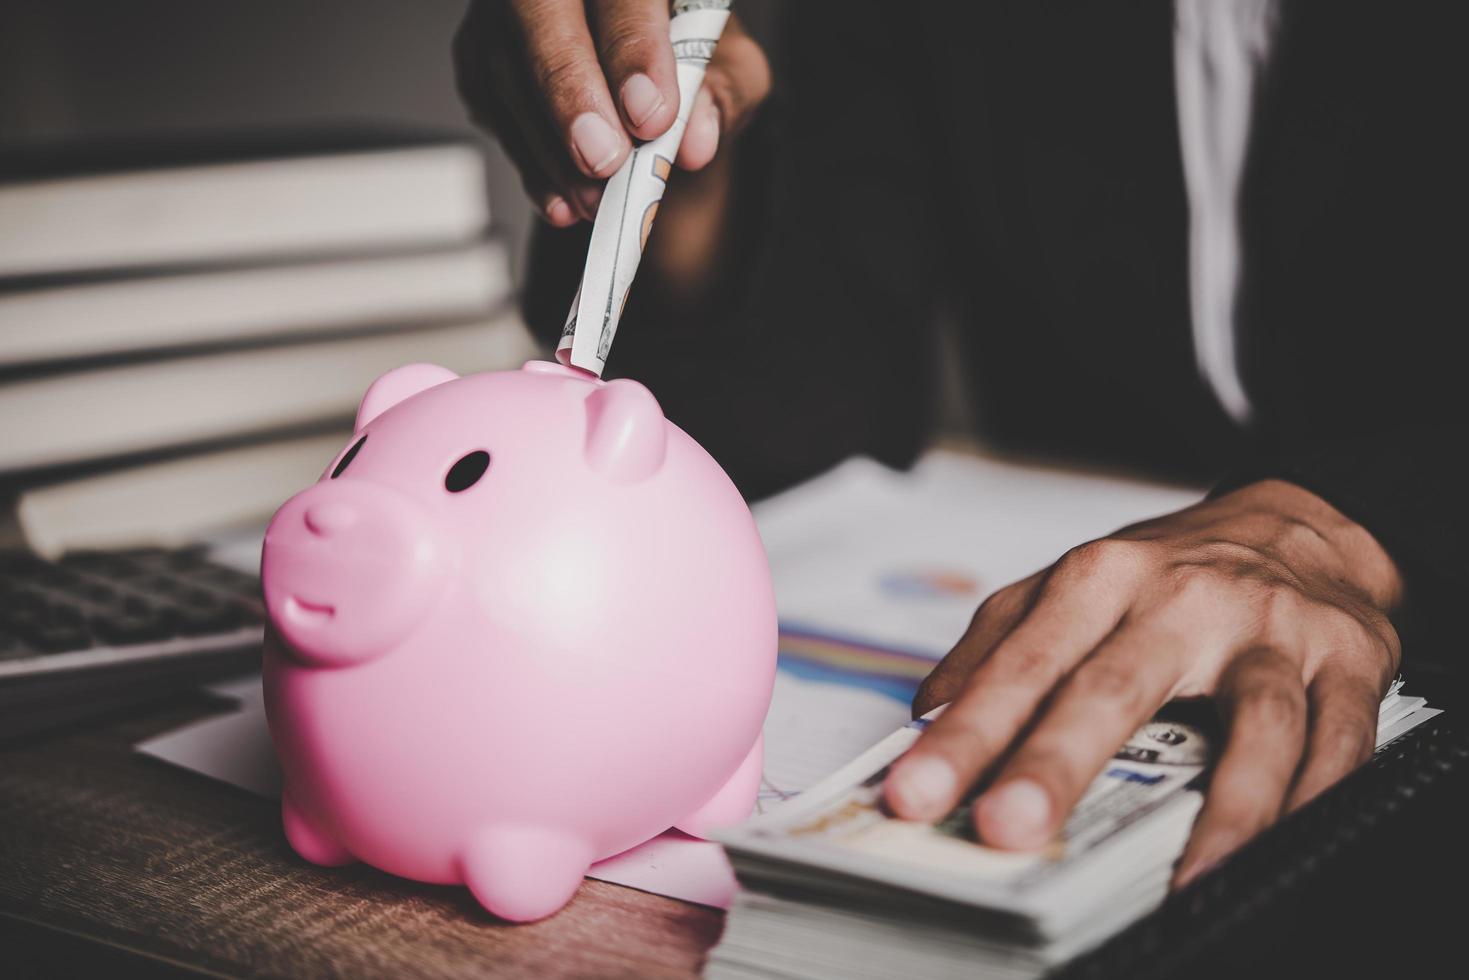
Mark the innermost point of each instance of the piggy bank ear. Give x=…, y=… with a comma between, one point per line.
x=396, y=385
x=627, y=436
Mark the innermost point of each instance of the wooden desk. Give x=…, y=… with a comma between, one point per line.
x=107, y=855
x=111, y=861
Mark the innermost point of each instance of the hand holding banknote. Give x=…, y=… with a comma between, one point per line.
x=567, y=87
x=1267, y=600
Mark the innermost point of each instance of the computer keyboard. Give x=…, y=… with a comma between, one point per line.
x=101, y=629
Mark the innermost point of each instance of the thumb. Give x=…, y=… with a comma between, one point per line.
x=737, y=81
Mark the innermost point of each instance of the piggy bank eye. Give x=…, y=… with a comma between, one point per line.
x=346, y=461
x=466, y=473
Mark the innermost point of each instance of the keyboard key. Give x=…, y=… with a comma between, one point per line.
x=11, y=648
x=183, y=560
x=199, y=620
x=27, y=615
x=161, y=584
x=96, y=592
x=55, y=577
x=136, y=605
x=102, y=563
x=131, y=628
x=56, y=638
x=251, y=614
x=19, y=603
x=68, y=614
x=18, y=563
x=231, y=581
x=199, y=599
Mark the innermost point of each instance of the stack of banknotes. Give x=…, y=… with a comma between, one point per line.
x=833, y=886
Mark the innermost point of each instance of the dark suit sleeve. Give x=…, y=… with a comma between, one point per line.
x=1354, y=305
x=815, y=345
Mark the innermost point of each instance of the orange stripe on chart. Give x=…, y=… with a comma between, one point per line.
x=854, y=655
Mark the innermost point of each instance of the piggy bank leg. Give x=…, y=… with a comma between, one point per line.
x=309, y=840
x=524, y=873
x=735, y=799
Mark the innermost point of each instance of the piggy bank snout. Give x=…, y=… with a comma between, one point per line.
x=348, y=570
x=327, y=517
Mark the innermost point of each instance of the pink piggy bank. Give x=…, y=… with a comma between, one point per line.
x=521, y=624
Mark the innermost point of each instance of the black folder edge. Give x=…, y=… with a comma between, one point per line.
x=1242, y=907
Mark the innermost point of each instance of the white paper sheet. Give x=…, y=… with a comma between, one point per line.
x=233, y=748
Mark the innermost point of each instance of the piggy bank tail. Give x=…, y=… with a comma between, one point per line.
x=734, y=801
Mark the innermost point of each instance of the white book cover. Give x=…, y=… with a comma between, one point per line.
x=174, y=502
x=363, y=200
x=180, y=309
x=128, y=408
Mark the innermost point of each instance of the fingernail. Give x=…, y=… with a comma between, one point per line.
x=594, y=141
x=711, y=116
x=589, y=198
x=640, y=98
x=710, y=123
x=701, y=138
x=1015, y=815
x=1207, y=860
x=1186, y=876
x=558, y=212
x=705, y=113
x=921, y=786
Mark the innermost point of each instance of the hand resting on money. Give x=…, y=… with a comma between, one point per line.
x=541, y=76
x=1267, y=600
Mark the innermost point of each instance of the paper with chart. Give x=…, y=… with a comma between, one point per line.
x=630, y=199
x=902, y=560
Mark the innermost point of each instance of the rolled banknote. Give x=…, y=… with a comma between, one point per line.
x=630, y=199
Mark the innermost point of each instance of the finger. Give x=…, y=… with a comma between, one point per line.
x=562, y=195
x=1073, y=612
x=549, y=179
x=995, y=618
x=1344, y=708
x=527, y=133
x=701, y=136
x=550, y=203
x=1114, y=691
x=632, y=41
x=738, y=77
x=569, y=78
x=553, y=209
x=1264, y=705
x=735, y=84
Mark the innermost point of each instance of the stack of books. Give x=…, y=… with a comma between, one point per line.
x=185, y=333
